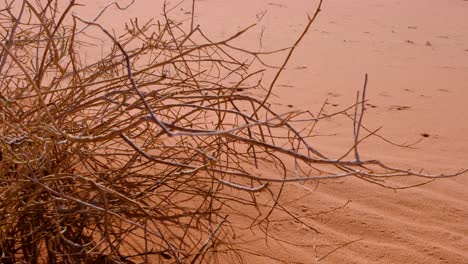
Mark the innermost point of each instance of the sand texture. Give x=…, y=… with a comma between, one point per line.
x=416, y=56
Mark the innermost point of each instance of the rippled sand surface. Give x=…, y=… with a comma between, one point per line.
x=416, y=55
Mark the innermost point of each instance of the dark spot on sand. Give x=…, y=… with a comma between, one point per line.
x=399, y=107
x=290, y=106
x=426, y=135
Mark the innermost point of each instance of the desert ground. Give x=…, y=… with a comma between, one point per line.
x=416, y=56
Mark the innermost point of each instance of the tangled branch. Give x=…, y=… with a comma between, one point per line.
x=143, y=154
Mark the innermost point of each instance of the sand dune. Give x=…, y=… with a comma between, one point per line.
x=416, y=55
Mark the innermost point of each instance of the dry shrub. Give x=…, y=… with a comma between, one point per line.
x=152, y=153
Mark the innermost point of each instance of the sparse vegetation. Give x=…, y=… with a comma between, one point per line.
x=151, y=153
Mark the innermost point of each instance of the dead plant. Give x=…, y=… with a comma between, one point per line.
x=151, y=153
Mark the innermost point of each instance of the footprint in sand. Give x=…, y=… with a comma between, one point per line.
x=277, y=5
x=384, y=94
x=333, y=94
x=278, y=227
x=399, y=107
x=443, y=90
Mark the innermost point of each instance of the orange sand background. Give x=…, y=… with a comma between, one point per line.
x=416, y=55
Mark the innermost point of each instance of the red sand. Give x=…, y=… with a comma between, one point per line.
x=416, y=54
